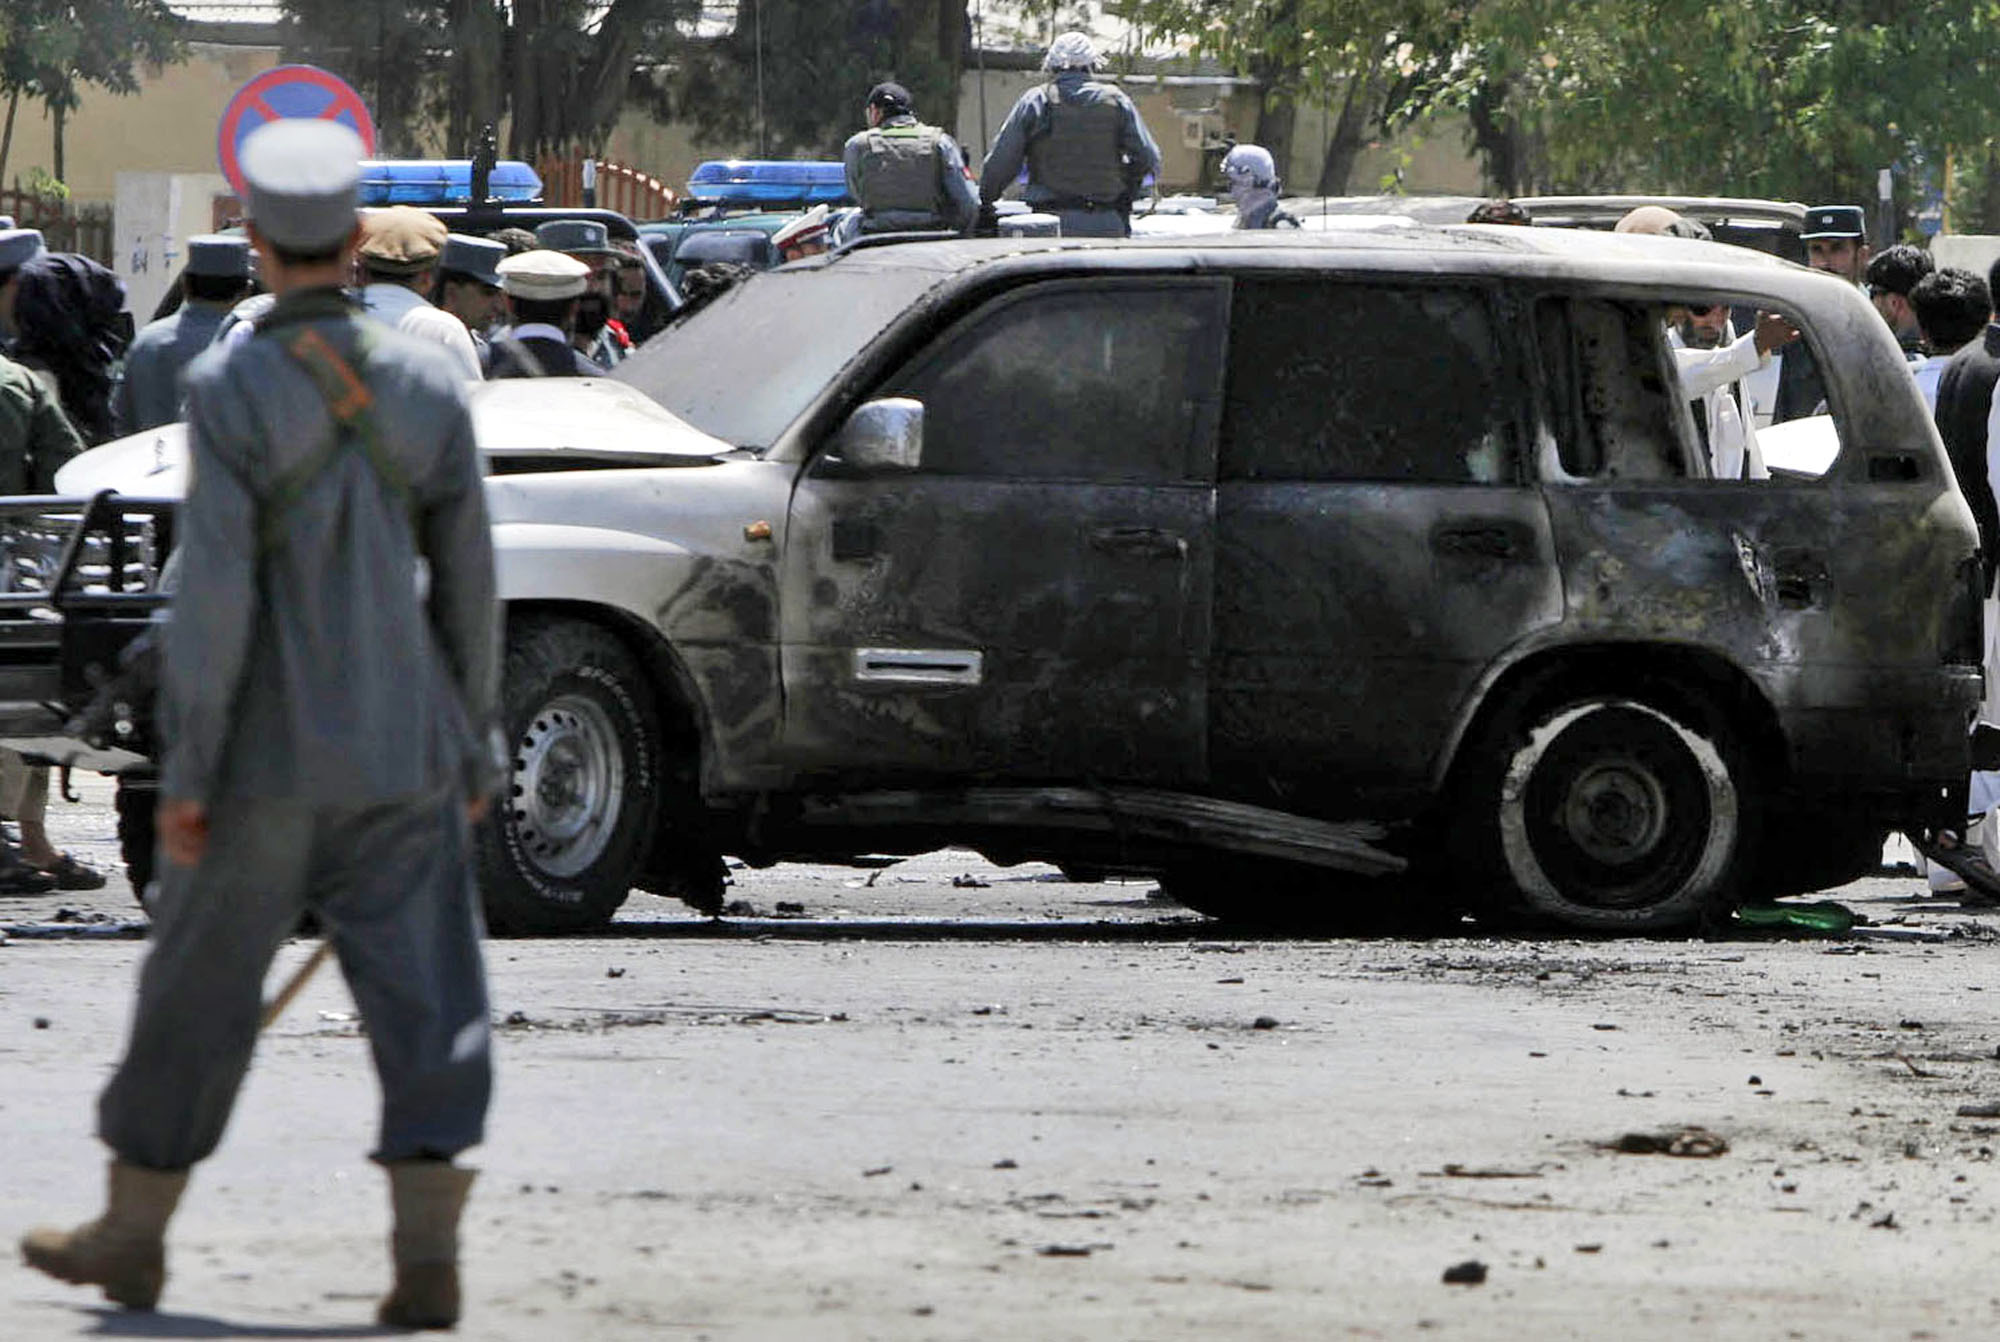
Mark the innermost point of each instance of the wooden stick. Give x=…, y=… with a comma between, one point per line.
x=295, y=985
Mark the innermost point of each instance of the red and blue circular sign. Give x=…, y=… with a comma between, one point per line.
x=288, y=91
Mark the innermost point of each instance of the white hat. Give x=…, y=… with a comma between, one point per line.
x=1252, y=163
x=808, y=228
x=18, y=246
x=1071, y=51
x=301, y=177
x=543, y=276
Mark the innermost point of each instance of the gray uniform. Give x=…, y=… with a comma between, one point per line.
x=909, y=176
x=1086, y=150
x=150, y=395
x=334, y=721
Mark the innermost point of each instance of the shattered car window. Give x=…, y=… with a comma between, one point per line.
x=1366, y=381
x=1607, y=409
x=1105, y=383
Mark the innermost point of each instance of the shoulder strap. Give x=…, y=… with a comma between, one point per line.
x=352, y=408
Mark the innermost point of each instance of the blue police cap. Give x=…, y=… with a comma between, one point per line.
x=1835, y=221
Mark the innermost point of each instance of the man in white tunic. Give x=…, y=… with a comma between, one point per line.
x=399, y=254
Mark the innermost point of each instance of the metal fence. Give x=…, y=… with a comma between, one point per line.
x=636, y=195
x=66, y=227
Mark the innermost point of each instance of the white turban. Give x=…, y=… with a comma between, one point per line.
x=1071, y=51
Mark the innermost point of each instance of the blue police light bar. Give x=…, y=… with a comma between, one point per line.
x=740, y=181
x=443, y=181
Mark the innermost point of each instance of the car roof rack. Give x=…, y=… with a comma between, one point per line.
x=866, y=240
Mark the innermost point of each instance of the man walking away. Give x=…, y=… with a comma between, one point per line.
x=1087, y=151
x=1252, y=176
x=332, y=457
x=908, y=177
x=1951, y=308
x=217, y=277
x=542, y=289
x=400, y=247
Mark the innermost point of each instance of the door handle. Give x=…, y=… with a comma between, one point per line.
x=1139, y=542
x=1480, y=540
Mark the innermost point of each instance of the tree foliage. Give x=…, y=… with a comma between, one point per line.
x=790, y=79
x=557, y=72
x=1764, y=97
x=52, y=50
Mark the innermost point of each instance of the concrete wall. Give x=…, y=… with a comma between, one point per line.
x=155, y=215
x=168, y=126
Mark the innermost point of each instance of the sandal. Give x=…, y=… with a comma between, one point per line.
x=18, y=878
x=70, y=874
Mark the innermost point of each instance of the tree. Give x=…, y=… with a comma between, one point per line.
x=791, y=78
x=51, y=50
x=1352, y=57
x=558, y=71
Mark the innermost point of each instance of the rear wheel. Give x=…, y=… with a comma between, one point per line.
x=1610, y=814
x=575, y=820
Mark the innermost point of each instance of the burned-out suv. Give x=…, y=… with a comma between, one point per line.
x=1303, y=573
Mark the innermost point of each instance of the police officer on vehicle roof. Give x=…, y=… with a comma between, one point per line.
x=399, y=253
x=1087, y=151
x=1252, y=176
x=542, y=289
x=908, y=177
x=216, y=277
x=333, y=460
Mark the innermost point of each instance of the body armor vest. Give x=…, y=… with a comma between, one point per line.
x=899, y=171
x=1077, y=155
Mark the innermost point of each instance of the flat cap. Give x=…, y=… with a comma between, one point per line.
x=300, y=176
x=587, y=237
x=402, y=239
x=18, y=246
x=222, y=256
x=1834, y=221
x=474, y=258
x=543, y=276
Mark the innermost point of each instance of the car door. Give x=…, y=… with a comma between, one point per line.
x=1032, y=601
x=1379, y=545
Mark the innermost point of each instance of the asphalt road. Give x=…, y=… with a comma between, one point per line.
x=945, y=1100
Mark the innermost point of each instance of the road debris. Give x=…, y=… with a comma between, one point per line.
x=1471, y=1272
x=1691, y=1142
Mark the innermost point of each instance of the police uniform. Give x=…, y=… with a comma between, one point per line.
x=1087, y=151
x=907, y=176
x=150, y=394
x=466, y=258
x=333, y=722
x=541, y=349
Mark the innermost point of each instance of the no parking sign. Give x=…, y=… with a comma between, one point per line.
x=288, y=91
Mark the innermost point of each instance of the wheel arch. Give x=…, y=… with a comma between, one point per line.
x=1690, y=678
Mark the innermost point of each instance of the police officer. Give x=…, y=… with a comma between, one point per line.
x=1252, y=178
x=908, y=177
x=542, y=289
x=332, y=458
x=215, y=279
x=469, y=287
x=1087, y=151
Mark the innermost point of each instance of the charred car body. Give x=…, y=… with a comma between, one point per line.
x=1305, y=574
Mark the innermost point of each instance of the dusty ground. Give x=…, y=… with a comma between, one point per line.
x=1038, y=1110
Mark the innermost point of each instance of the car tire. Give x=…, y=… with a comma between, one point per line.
x=137, y=802
x=565, y=842
x=1606, y=813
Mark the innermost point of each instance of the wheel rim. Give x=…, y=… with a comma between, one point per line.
x=568, y=786
x=1634, y=812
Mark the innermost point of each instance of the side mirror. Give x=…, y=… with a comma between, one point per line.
x=883, y=436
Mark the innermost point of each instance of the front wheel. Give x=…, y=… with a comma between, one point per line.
x=573, y=824
x=1611, y=814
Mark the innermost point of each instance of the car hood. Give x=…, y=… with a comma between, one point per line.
x=522, y=424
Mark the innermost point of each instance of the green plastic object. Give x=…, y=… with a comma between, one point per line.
x=1822, y=916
